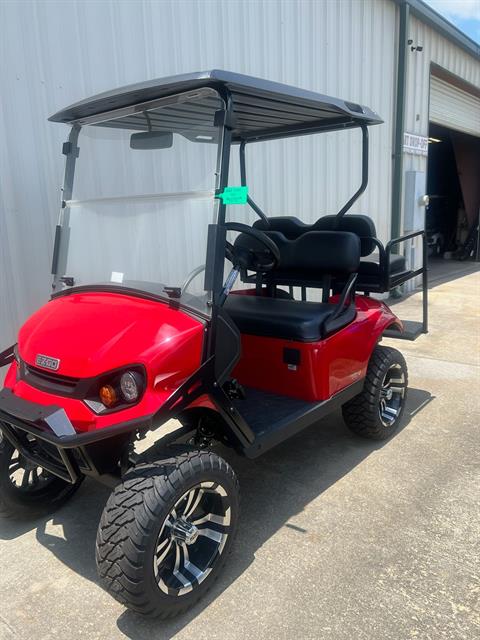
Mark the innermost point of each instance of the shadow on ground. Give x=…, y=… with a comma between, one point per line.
x=439, y=272
x=274, y=488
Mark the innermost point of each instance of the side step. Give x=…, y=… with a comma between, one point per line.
x=274, y=418
x=412, y=329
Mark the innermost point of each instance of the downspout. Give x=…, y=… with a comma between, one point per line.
x=397, y=182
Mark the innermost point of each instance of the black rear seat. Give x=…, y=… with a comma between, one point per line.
x=370, y=266
x=370, y=276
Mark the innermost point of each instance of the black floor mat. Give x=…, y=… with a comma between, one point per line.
x=265, y=412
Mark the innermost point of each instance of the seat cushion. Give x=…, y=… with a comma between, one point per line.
x=287, y=319
x=371, y=265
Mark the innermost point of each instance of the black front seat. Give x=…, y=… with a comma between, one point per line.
x=286, y=319
x=312, y=256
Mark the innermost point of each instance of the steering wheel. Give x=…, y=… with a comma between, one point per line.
x=260, y=255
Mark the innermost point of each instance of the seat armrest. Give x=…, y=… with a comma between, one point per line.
x=409, y=236
x=348, y=292
x=384, y=263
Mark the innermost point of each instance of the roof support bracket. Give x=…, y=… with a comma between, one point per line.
x=224, y=118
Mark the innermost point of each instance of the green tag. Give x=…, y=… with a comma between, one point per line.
x=234, y=195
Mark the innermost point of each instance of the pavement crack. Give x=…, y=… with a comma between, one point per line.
x=7, y=626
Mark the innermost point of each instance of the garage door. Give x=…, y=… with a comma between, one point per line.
x=454, y=108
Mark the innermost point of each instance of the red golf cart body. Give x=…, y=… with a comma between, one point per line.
x=187, y=353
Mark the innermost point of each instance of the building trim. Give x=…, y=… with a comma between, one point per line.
x=397, y=181
x=433, y=19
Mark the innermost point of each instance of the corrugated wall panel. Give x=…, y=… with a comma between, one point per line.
x=54, y=53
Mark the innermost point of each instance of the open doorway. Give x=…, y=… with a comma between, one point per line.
x=453, y=187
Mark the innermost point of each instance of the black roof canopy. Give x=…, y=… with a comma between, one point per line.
x=262, y=109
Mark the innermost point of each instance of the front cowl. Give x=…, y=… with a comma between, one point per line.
x=92, y=333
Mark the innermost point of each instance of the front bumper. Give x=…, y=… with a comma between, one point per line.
x=44, y=436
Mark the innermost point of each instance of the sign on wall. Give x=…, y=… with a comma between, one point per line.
x=418, y=145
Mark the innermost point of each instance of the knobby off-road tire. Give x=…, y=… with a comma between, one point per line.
x=376, y=412
x=166, y=532
x=26, y=490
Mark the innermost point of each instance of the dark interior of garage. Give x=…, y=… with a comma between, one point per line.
x=453, y=185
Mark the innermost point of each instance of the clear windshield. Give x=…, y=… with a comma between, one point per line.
x=139, y=217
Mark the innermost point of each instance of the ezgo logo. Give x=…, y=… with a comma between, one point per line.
x=47, y=362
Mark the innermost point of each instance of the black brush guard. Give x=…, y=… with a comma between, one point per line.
x=24, y=425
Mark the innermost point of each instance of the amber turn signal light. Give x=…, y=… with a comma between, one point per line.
x=108, y=395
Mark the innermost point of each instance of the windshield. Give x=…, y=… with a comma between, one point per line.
x=140, y=206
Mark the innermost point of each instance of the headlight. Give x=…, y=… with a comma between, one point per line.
x=129, y=386
x=116, y=390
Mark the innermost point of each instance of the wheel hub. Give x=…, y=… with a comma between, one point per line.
x=192, y=538
x=388, y=394
x=26, y=464
x=26, y=475
x=392, y=395
x=184, y=531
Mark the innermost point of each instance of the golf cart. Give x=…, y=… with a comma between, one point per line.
x=145, y=325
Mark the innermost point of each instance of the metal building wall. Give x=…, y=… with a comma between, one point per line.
x=54, y=53
x=440, y=51
x=444, y=53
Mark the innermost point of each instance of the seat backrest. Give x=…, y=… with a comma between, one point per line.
x=292, y=227
x=315, y=253
x=361, y=225
x=319, y=252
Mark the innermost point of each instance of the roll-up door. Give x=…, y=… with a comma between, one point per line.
x=454, y=108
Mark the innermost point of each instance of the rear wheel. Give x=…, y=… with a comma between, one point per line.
x=376, y=412
x=27, y=490
x=166, y=531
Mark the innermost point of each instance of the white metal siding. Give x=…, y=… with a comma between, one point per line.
x=454, y=108
x=444, y=53
x=438, y=50
x=54, y=53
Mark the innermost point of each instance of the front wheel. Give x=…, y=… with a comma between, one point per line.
x=376, y=412
x=166, y=531
x=27, y=490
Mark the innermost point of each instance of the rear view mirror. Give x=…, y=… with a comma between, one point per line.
x=151, y=140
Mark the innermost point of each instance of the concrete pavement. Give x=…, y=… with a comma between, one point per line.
x=340, y=538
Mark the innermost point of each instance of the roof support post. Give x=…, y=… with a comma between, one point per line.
x=397, y=180
x=70, y=151
x=364, y=183
x=243, y=182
